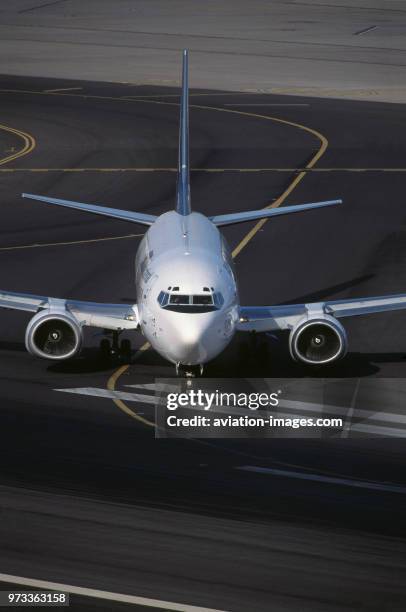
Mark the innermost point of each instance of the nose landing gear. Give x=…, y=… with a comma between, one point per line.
x=189, y=371
x=115, y=350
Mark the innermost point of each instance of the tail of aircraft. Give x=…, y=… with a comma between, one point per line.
x=183, y=185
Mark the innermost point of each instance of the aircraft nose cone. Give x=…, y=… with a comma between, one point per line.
x=191, y=333
x=194, y=340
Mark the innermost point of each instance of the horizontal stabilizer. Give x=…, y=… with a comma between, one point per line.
x=124, y=215
x=252, y=215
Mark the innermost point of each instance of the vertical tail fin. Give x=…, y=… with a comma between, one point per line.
x=183, y=185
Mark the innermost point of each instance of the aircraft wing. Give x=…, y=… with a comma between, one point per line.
x=93, y=314
x=124, y=215
x=267, y=318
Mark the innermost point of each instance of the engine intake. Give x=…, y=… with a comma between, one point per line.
x=53, y=336
x=318, y=341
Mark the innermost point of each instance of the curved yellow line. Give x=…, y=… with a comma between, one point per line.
x=111, y=385
x=322, y=149
x=29, y=144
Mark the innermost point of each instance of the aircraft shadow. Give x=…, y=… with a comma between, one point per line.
x=265, y=357
x=12, y=346
x=88, y=361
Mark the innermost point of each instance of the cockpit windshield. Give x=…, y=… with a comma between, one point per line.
x=180, y=302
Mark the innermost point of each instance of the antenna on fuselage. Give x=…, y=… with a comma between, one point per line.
x=183, y=184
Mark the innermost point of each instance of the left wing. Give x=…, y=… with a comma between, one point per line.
x=267, y=318
x=93, y=314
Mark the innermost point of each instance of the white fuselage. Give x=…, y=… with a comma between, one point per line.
x=186, y=289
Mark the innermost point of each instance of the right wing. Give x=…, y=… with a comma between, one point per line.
x=92, y=314
x=124, y=215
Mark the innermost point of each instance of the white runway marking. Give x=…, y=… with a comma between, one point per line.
x=361, y=484
x=389, y=420
x=146, y=386
x=107, y=595
x=368, y=415
x=106, y=393
x=155, y=386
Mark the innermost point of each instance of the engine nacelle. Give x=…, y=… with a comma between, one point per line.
x=318, y=341
x=53, y=335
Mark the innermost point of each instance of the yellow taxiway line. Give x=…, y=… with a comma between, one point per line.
x=169, y=169
x=111, y=385
x=29, y=144
x=73, y=242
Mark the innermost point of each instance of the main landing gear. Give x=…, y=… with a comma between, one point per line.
x=114, y=349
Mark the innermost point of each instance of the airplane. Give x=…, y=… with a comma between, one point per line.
x=186, y=290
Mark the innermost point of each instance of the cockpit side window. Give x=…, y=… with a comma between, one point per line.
x=218, y=299
x=163, y=298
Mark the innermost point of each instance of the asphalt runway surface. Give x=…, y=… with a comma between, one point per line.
x=88, y=496
x=326, y=48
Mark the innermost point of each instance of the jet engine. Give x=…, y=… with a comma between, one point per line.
x=53, y=335
x=318, y=341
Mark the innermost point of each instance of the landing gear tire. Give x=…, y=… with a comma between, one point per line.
x=113, y=351
x=125, y=350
